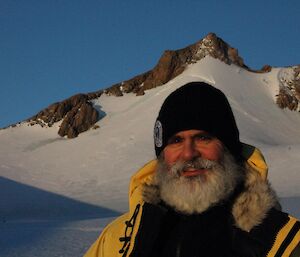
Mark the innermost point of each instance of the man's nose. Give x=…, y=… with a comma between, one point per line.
x=189, y=151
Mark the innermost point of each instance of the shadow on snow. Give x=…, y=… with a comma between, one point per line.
x=29, y=215
x=20, y=201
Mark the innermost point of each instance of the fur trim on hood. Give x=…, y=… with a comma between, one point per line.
x=252, y=205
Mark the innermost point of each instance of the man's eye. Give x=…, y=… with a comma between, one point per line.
x=175, y=140
x=203, y=137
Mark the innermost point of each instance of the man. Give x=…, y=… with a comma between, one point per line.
x=205, y=195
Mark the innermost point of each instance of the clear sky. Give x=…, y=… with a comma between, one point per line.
x=53, y=49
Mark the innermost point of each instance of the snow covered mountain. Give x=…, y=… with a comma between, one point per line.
x=78, y=115
x=44, y=176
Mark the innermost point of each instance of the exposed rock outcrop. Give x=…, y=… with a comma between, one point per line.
x=289, y=88
x=77, y=114
x=79, y=119
x=266, y=68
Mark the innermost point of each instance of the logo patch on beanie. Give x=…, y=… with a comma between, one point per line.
x=158, y=134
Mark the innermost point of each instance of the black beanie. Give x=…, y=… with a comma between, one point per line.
x=197, y=105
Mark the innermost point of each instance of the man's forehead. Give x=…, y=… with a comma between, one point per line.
x=192, y=132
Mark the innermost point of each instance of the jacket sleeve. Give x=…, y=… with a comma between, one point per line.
x=98, y=248
x=287, y=242
x=108, y=243
x=296, y=251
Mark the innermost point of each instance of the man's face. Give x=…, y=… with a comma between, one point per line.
x=188, y=145
x=195, y=171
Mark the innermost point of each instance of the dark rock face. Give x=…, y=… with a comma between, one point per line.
x=77, y=113
x=289, y=92
x=296, y=81
x=285, y=100
x=82, y=117
x=266, y=68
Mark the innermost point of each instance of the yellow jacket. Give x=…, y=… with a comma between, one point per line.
x=118, y=238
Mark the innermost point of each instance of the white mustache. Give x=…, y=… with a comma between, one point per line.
x=179, y=167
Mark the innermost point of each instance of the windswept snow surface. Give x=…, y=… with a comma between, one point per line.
x=57, y=194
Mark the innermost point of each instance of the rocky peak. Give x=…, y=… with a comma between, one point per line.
x=172, y=63
x=217, y=48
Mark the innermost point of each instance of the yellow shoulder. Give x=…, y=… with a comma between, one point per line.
x=287, y=242
x=109, y=241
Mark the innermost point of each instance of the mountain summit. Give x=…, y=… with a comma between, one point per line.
x=173, y=63
x=78, y=114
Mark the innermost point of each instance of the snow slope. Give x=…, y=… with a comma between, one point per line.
x=57, y=193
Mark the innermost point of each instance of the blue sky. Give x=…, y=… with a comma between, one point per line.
x=52, y=49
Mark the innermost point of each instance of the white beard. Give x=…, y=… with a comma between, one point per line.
x=196, y=194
